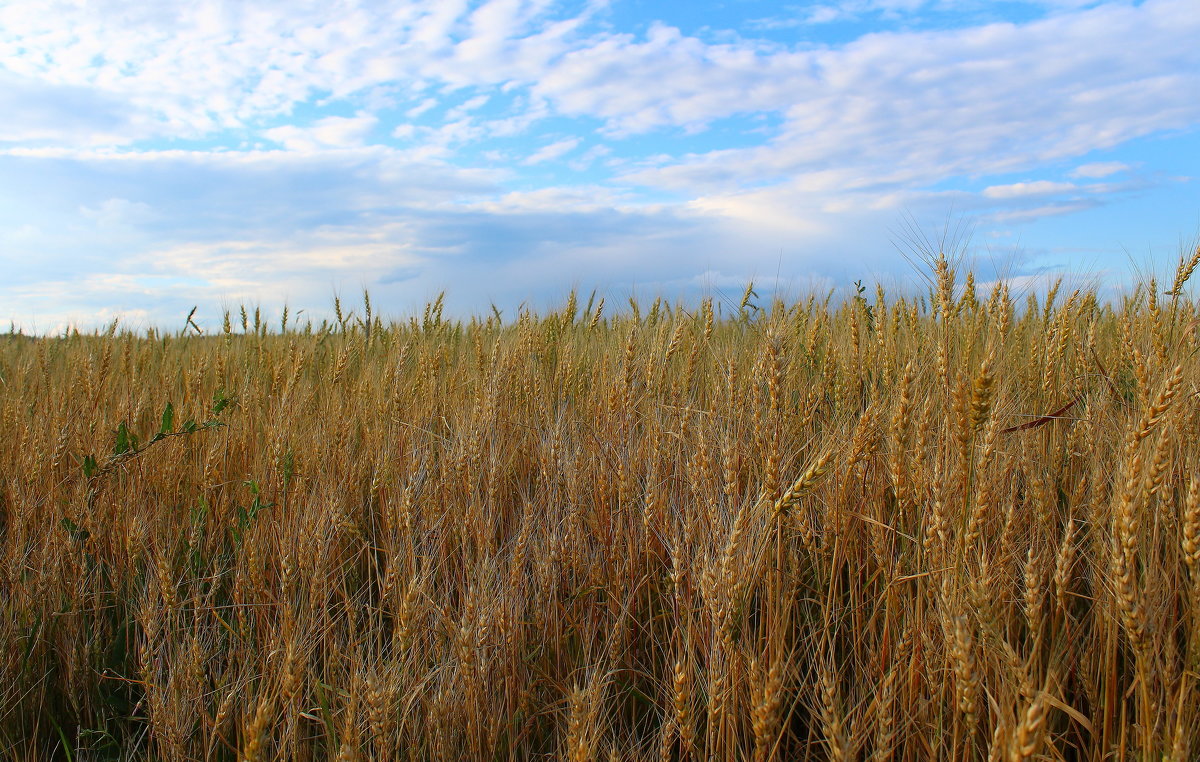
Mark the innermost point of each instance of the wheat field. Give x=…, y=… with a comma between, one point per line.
x=957, y=525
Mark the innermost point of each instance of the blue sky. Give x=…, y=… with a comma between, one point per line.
x=156, y=156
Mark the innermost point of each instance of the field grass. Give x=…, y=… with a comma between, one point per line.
x=960, y=526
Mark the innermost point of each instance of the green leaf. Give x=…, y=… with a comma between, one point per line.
x=89, y=466
x=220, y=402
x=78, y=533
x=66, y=745
x=31, y=640
x=168, y=419
x=190, y=426
x=122, y=445
x=319, y=692
x=289, y=466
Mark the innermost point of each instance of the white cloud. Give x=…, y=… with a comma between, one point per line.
x=117, y=212
x=330, y=132
x=404, y=131
x=1100, y=169
x=823, y=14
x=693, y=82
x=553, y=151
x=421, y=108
x=1049, y=210
x=471, y=104
x=1023, y=190
x=1055, y=87
x=916, y=107
x=586, y=198
x=589, y=157
x=849, y=9
x=193, y=69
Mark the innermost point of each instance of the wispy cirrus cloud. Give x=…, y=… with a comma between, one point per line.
x=1100, y=169
x=1023, y=190
x=815, y=13
x=915, y=107
x=554, y=150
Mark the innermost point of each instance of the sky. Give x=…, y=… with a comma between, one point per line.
x=160, y=156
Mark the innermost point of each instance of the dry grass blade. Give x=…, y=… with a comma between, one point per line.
x=1042, y=420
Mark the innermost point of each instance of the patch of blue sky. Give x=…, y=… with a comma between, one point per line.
x=1108, y=211
x=1160, y=155
x=1143, y=234
x=723, y=20
x=815, y=22
x=704, y=18
x=1176, y=151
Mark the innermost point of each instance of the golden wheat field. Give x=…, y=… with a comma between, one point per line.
x=961, y=525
